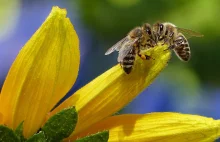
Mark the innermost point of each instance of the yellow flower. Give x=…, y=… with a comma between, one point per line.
x=47, y=67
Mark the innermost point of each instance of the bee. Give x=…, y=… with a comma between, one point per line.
x=129, y=47
x=169, y=34
x=148, y=40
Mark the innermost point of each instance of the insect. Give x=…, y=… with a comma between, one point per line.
x=169, y=34
x=129, y=47
x=148, y=40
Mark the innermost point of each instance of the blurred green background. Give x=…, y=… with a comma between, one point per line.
x=192, y=87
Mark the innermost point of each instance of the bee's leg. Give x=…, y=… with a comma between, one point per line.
x=120, y=64
x=170, y=47
x=166, y=40
x=174, y=44
x=151, y=43
x=179, y=40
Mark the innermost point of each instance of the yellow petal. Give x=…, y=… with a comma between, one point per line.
x=112, y=90
x=158, y=127
x=43, y=72
x=1, y=118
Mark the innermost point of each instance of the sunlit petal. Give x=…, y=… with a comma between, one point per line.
x=112, y=90
x=1, y=117
x=158, y=127
x=43, y=72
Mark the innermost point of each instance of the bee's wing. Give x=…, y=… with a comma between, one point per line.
x=189, y=33
x=117, y=46
x=126, y=48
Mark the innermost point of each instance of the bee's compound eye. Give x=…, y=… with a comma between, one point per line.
x=148, y=31
x=161, y=27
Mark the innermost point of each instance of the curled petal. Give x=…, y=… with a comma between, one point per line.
x=157, y=127
x=43, y=72
x=112, y=90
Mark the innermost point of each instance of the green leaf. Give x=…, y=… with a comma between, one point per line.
x=7, y=135
x=61, y=125
x=39, y=137
x=98, y=137
x=19, y=132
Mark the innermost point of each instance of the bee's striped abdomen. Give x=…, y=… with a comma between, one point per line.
x=183, y=50
x=128, y=62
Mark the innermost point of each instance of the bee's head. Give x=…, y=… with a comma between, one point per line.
x=147, y=29
x=159, y=30
x=136, y=33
